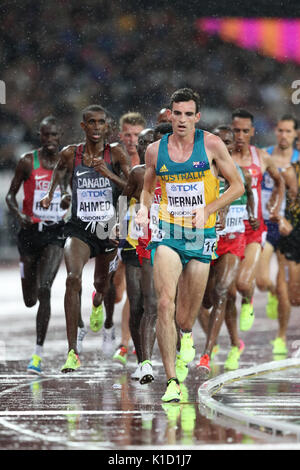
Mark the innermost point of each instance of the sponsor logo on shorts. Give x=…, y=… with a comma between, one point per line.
x=108, y=250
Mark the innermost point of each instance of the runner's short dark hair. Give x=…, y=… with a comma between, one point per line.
x=242, y=113
x=93, y=108
x=223, y=127
x=290, y=117
x=185, y=94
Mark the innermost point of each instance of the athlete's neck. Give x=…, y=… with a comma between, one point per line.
x=183, y=141
x=134, y=159
x=94, y=149
x=242, y=152
x=47, y=156
x=285, y=153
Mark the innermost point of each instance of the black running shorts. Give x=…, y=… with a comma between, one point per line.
x=289, y=246
x=97, y=246
x=31, y=241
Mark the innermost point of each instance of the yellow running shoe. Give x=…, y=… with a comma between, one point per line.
x=272, y=306
x=187, y=350
x=232, y=361
x=279, y=346
x=97, y=316
x=246, y=317
x=35, y=365
x=121, y=355
x=72, y=363
x=181, y=369
x=173, y=392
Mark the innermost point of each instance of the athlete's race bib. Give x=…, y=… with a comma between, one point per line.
x=134, y=230
x=209, y=246
x=95, y=204
x=54, y=213
x=235, y=220
x=156, y=233
x=184, y=198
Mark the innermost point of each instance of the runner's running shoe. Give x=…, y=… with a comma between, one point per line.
x=146, y=373
x=35, y=365
x=272, y=306
x=203, y=364
x=80, y=337
x=136, y=375
x=97, y=316
x=108, y=341
x=187, y=350
x=181, y=369
x=72, y=363
x=121, y=355
x=246, y=317
x=232, y=361
x=215, y=351
x=173, y=392
x=279, y=346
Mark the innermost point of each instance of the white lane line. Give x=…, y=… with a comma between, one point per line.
x=67, y=412
x=210, y=387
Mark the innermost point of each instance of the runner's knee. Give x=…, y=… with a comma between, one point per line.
x=262, y=284
x=44, y=293
x=30, y=300
x=166, y=307
x=74, y=282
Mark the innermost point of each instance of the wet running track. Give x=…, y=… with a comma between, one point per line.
x=99, y=407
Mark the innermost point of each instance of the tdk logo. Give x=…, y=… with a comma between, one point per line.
x=184, y=187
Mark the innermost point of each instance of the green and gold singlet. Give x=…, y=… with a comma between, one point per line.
x=185, y=187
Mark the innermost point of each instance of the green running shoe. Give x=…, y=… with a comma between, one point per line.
x=187, y=350
x=121, y=355
x=181, y=369
x=279, y=346
x=97, y=316
x=272, y=306
x=72, y=363
x=246, y=317
x=173, y=392
x=232, y=361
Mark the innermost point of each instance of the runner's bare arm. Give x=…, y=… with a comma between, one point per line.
x=119, y=159
x=149, y=183
x=291, y=183
x=62, y=168
x=277, y=195
x=254, y=222
x=22, y=173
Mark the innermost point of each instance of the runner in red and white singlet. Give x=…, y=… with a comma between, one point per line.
x=257, y=161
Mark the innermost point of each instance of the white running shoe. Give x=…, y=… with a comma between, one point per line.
x=146, y=373
x=80, y=337
x=136, y=375
x=108, y=341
